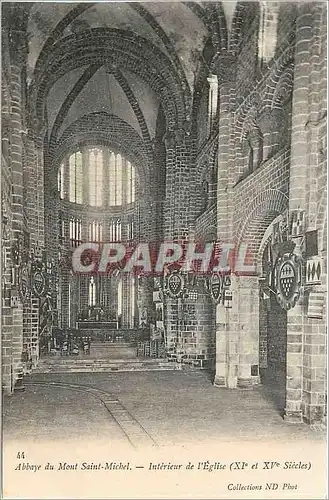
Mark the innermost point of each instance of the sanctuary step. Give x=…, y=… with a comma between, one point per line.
x=71, y=365
x=112, y=350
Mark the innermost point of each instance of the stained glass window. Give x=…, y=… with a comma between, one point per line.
x=75, y=178
x=95, y=231
x=96, y=177
x=60, y=180
x=75, y=232
x=88, y=171
x=92, y=292
x=115, y=230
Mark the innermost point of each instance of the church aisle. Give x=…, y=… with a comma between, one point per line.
x=173, y=408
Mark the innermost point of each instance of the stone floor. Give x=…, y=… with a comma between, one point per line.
x=169, y=408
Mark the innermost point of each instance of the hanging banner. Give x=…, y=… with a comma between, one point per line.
x=24, y=284
x=216, y=285
x=288, y=280
x=143, y=317
x=175, y=284
x=313, y=271
x=38, y=283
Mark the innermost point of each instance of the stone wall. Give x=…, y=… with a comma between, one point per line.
x=226, y=175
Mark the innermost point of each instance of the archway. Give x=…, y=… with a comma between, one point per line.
x=272, y=340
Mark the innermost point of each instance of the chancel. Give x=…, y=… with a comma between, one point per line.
x=166, y=123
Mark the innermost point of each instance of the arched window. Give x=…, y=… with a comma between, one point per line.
x=253, y=149
x=95, y=231
x=75, y=178
x=96, y=177
x=130, y=229
x=60, y=180
x=75, y=232
x=122, y=180
x=115, y=230
x=130, y=182
x=61, y=227
x=115, y=179
x=92, y=292
x=268, y=27
x=212, y=101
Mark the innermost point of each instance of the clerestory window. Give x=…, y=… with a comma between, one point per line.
x=98, y=177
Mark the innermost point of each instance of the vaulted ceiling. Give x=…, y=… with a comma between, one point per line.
x=179, y=30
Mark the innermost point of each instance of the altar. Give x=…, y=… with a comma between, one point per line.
x=98, y=330
x=98, y=323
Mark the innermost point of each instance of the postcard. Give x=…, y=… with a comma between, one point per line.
x=164, y=249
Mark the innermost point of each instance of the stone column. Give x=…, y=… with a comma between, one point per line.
x=125, y=301
x=237, y=342
x=227, y=342
x=179, y=162
x=178, y=214
x=224, y=67
x=34, y=204
x=226, y=361
x=222, y=378
x=6, y=218
x=145, y=296
x=298, y=180
x=248, y=326
x=16, y=20
x=314, y=392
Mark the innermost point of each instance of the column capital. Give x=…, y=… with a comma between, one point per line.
x=224, y=67
x=37, y=128
x=213, y=81
x=177, y=136
x=169, y=139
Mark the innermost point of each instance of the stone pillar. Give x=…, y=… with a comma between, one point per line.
x=64, y=291
x=248, y=347
x=171, y=323
x=237, y=341
x=145, y=297
x=226, y=360
x=6, y=222
x=196, y=328
x=222, y=378
x=298, y=180
x=125, y=301
x=178, y=216
x=205, y=340
x=315, y=335
x=36, y=226
x=224, y=67
x=15, y=21
x=179, y=162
